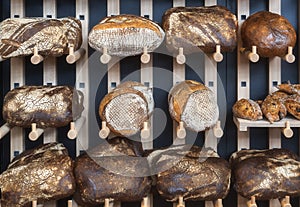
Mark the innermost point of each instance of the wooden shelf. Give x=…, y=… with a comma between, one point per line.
x=244, y=124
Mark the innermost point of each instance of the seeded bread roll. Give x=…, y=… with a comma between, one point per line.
x=271, y=33
x=126, y=108
x=19, y=36
x=44, y=173
x=126, y=35
x=200, y=29
x=266, y=174
x=194, y=104
x=47, y=106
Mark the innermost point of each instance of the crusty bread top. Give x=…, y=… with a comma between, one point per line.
x=127, y=21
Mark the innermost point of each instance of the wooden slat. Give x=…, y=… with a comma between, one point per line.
x=17, y=78
x=50, y=77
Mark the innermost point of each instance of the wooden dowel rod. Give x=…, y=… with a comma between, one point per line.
x=4, y=130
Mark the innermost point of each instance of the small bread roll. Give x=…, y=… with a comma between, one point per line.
x=247, y=109
x=194, y=104
x=126, y=108
x=126, y=35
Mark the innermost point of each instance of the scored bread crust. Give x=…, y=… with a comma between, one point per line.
x=247, y=109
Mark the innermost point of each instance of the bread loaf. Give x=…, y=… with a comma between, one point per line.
x=200, y=29
x=266, y=174
x=194, y=104
x=191, y=172
x=247, y=109
x=52, y=37
x=42, y=174
x=113, y=170
x=47, y=106
x=126, y=108
x=126, y=35
x=271, y=33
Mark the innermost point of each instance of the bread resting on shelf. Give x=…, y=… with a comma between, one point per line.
x=41, y=174
x=47, y=106
x=247, y=109
x=52, y=37
x=198, y=29
x=266, y=174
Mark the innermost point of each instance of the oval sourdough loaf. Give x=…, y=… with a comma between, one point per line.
x=198, y=29
x=194, y=104
x=126, y=108
x=126, y=35
x=266, y=174
x=113, y=170
x=271, y=33
x=19, y=36
x=47, y=106
x=191, y=172
x=44, y=173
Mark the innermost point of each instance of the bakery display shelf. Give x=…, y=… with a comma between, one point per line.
x=286, y=124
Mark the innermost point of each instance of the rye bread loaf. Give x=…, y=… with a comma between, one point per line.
x=44, y=173
x=52, y=37
x=126, y=35
x=271, y=33
x=200, y=29
x=194, y=104
x=112, y=170
x=47, y=106
x=266, y=174
x=191, y=172
x=126, y=108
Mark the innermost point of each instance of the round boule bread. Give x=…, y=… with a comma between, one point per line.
x=194, y=104
x=126, y=35
x=271, y=33
x=126, y=108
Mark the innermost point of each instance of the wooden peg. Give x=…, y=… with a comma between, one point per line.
x=287, y=131
x=218, y=131
x=181, y=132
x=36, y=58
x=106, y=202
x=74, y=56
x=145, y=132
x=286, y=202
x=145, y=58
x=218, y=203
x=104, y=132
x=145, y=202
x=289, y=57
x=34, y=203
x=75, y=127
x=252, y=202
x=180, y=202
x=70, y=203
x=251, y=55
x=105, y=58
x=4, y=130
x=218, y=57
x=35, y=132
x=180, y=58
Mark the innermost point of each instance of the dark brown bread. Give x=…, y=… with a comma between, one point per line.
x=47, y=106
x=112, y=170
x=52, y=37
x=200, y=28
x=44, y=173
x=266, y=174
x=191, y=172
x=271, y=33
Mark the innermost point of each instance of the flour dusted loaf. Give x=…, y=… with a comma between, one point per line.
x=194, y=104
x=271, y=33
x=19, y=36
x=44, y=173
x=191, y=172
x=47, y=106
x=126, y=108
x=126, y=35
x=266, y=174
x=113, y=170
x=200, y=29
